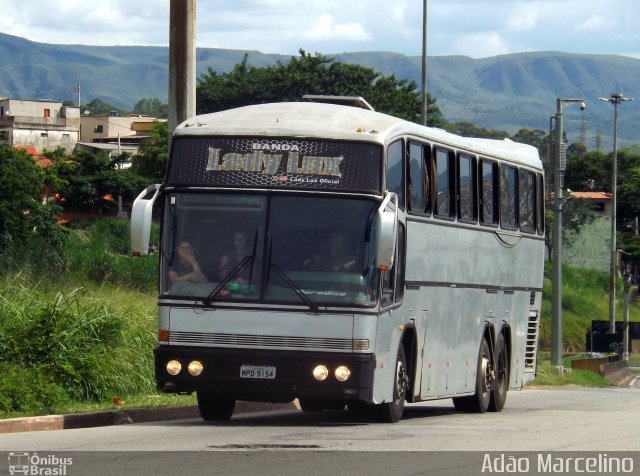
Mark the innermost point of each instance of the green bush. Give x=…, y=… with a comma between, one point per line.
x=99, y=250
x=29, y=390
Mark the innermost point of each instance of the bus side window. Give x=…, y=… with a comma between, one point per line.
x=540, y=204
x=393, y=279
x=488, y=192
x=418, y=180
x=395, y=171
x=527, y=201
x=466, y=188
x=508, y=197
x=443, y=174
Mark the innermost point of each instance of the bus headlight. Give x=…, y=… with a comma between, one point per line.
x=320, y=373
x=342, y=373
x=174, y=367
x=195, y=368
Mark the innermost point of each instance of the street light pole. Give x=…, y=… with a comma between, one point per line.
x=423, y=108
x=558, y=179
x=615, y=99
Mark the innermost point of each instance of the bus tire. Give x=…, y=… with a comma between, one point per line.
x=479, y=401
x=214, y=407
x=391, y=412
x=501, y=380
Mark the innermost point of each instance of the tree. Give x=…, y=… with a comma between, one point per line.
x=153, y=107
x=97, y=106
x=152, y=156
x=468, y=129
x=311, y=74
x=88, y=177
x=23, y=216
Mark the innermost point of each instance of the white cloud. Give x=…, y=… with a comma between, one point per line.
x=524, y=17
x=481, y=45
x=596, y=23
x=325, y=28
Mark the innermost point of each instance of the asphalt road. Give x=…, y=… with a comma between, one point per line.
x=592, y=421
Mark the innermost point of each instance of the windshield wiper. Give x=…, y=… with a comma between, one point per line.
x=313, y=306
x=246, y=261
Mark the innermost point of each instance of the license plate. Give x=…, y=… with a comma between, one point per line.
x=255, y=371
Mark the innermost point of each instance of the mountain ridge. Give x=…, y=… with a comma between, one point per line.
x=508, y=92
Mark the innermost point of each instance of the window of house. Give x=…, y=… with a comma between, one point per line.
x=44, y=134
x=466, y=188
x=47, y=113
x=443, y=174
x=99, y=129
x=395, y=171
x=508, y=197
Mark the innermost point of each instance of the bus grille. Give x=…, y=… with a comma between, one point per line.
x=258, y=340
x=532, y=341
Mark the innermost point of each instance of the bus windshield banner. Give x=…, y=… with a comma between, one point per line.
x=281, y=163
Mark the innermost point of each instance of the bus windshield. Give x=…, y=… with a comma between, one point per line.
x=286, y=249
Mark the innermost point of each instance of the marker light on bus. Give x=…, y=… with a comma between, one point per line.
x=195, y=368
x=320, y=373
x=163, y=336
x=342, y=373
x=174, y=367
x=360, y=344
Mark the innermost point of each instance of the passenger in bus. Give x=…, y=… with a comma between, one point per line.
x=335, y=258
x=229, y=261
x=186, y=267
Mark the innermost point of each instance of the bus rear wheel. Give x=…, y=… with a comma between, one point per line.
x=391, y=412
x=213, y=407
x=479, y=401
x=501, y=381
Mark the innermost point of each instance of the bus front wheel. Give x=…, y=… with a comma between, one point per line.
x=213, y=407
x=391, y=412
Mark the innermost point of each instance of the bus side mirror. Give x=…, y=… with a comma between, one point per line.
x=141, y=220
x=386, y=231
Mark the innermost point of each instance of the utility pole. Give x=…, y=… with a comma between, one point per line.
x=615, y=99
x=182, y=62
x=423, y=115
x=558, y=184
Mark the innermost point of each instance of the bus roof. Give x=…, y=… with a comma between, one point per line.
x=339, y=122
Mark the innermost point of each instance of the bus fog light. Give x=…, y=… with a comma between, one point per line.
x=195, y=368
x=342, y=373
x=174, y=367
x=320, y=373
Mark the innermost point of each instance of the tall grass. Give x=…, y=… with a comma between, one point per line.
x=79, y=326
x=99, y=251
x=585, y=297
x=62, y=346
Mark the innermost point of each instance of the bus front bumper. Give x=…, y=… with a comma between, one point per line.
x=264, y=375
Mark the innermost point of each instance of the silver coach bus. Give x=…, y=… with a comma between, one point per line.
x=344, y=257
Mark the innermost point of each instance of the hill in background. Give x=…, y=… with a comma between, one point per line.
x=507, y=92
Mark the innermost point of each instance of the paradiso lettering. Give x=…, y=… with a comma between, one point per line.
x=261, y=160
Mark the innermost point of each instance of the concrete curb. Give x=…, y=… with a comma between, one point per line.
x=120, y=417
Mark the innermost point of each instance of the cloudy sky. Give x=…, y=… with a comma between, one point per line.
x=476, y=28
